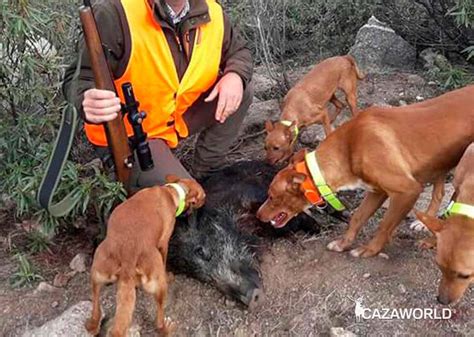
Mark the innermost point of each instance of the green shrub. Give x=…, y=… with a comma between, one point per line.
x=463, y=12
x=25, y=274
x=37, y=42
x=454, y=77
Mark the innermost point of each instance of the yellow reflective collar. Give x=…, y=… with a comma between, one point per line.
x=318, y=179
x=296, y=130
x=181, y=197
x=457, y=208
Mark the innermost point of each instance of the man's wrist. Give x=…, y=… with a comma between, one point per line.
x=233, y=73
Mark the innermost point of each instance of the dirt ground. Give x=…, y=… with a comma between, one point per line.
x=308, y=290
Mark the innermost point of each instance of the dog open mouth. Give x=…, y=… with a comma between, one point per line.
x=279, y=220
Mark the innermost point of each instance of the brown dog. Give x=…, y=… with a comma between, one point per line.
x=306, y=104
x=455, y=235
x=392, y=153
x=135, y=250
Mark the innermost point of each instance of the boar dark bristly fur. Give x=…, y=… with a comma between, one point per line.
x=219, y=244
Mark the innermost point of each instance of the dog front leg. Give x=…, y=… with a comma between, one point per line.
x=338, y=105
x=400, y=205
x=326, y=122
x=371, y=202
x=432, y=210
x=164, y=326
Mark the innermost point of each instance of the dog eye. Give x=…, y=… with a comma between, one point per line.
x=199, y=251
x=463, y=276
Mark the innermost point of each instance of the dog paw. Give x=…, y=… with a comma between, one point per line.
x=338, y=245
x=93, y=327
x=364, y=251
x=418, y=226
x=168, y=327
x=427, y=243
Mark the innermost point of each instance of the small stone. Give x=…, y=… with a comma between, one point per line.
x=402, y=102
x=401, y=94
x=415, y=79
x=384, y=256
x=78, y=263
x=419, y=98
x=366, y=275
x=45, y=287
x=432, y=83
x=54, y=304
x=402, y=288
x=69, y=323
x=229, y=303
x=341, y=332
x=61, y=279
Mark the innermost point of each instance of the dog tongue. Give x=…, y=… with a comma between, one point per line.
x=278, y=221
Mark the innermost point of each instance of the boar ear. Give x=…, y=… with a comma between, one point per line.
x=171, y=178
x=434, y=224
x=295, y=180
x=298, y=156
x=269, y=125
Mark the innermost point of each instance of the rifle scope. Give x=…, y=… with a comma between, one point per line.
x=139, y=141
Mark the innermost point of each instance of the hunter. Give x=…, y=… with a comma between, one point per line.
x=191, y=72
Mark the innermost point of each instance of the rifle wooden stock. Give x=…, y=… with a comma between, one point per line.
x=115, y=129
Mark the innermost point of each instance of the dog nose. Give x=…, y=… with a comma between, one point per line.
x=442, y=300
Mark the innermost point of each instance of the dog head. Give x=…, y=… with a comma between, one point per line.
x=195, y=195
x=285, y=199
x=454, y=254
x=279, y=143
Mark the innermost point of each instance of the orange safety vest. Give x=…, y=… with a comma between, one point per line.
x=152, y=72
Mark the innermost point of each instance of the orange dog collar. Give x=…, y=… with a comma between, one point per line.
x=308, y=187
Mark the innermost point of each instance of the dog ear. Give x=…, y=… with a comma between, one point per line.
x=434, y=224
x=298, y=156
x=195, y=197
x=269, y=125
x=171, y=178
x=289, y=133
x=295, y=180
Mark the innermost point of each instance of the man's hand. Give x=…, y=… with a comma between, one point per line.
x=230, y=89
x=100, y=105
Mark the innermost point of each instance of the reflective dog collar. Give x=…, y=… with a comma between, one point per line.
x=181, y=197
x=308, y=187
x=296, y=130
x=318, y=179
x=457, y=208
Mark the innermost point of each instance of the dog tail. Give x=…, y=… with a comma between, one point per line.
x=360, y=75
x=125, y=306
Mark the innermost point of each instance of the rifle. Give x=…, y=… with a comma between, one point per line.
x=114, y=130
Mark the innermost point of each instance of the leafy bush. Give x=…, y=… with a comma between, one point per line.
x=454, y=77
x=463, y=13
x=37, y=41
x=299, y=27
x=26, y=273
x=296, y=28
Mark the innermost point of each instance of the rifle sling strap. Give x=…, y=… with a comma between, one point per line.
x=62, y=146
